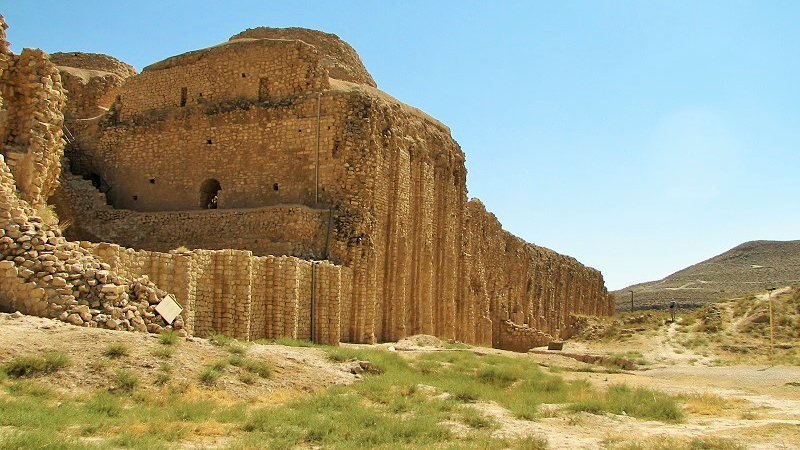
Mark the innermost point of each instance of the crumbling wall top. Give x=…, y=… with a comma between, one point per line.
x=93, y=61
x=339, y=57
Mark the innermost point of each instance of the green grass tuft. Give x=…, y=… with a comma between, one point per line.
x=26, y=366
x=116, y=350
x=209, y=375
x=168, y=338
x=642, y=403
x=126, y=380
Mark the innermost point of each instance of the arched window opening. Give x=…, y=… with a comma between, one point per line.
x=209, y=194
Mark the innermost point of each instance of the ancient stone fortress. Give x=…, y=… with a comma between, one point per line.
x=271, y=188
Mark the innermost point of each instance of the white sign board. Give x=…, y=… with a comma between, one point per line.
x=169, y=308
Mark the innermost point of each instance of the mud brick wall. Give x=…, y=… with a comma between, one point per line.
x=263, y=70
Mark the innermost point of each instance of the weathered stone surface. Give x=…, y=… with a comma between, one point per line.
x=279, y=148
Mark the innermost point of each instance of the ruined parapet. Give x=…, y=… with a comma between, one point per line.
x=267, y=71
x=93, y=61
x=341, y=60
x=30, y=138
x=521, y=338
x=92, y=81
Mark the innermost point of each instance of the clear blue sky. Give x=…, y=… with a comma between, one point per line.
x=638, y=136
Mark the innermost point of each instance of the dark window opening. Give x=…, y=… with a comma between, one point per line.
x=135, y=197
x=96, y=180
x=243, y=75
x=275, y=187
x=184, y=94
x=263, y=89
x=208, y=141
x=152, y=181
x=299, y=131
x=209, y=194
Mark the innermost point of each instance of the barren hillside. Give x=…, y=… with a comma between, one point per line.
x=748, y=268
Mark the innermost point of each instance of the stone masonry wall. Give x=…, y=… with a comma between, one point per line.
x=418, y=256
x=427, y=261
x=92, y=82
x=256, y=156
x=41, y=273
x=293, y=230
x=241, y=295
x=341, y=60
x=262, y=70
x=30, y=129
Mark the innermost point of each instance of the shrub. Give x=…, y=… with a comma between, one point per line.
x=642, y=403
x=237, y=348
x=497, y=376
x=209, y=375
x=474, y=418
x=162, y=378
x=531, y=443
x=105, y=404
x=247, y=378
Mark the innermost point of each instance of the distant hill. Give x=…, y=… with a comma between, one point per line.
x=750, y=267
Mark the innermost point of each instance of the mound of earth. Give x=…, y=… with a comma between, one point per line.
x=748, y=268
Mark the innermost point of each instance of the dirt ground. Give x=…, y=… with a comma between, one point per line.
x=758, y=406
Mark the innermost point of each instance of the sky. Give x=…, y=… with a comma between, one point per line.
x=639, y=137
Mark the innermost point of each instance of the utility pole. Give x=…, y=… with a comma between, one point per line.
x=631, y=300
x=771, y=329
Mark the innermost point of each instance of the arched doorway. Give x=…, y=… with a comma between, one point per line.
x=209, y=191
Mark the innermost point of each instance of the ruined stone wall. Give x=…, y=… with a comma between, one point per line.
x=425, y=260
x=93, y=61
x=92, y=82
x=240, y=295
x=418, y=257
x=30, y=127
x=259, y=70
x=341, y=60
x=41, y=273
x=527, y=284
x=294, y=230
x=257, y=157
